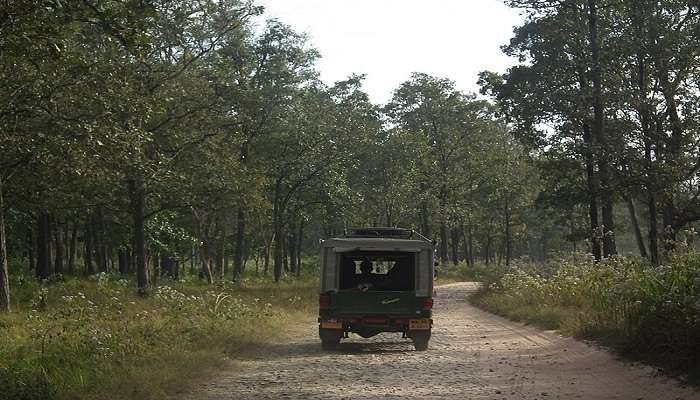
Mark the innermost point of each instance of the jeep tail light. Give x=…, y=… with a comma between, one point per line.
x=324, y=302
x=428, y=304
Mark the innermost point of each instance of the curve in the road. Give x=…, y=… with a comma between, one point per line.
x=473, y=355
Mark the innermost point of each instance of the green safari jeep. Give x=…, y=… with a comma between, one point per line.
x=376, y=280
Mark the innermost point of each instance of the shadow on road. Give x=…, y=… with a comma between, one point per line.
x=295, y=350
x=375, y=347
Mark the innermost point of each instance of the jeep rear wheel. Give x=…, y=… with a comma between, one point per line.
x=420, y=340
x=330, y=338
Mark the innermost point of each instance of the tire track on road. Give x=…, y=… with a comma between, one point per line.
x=473, y=355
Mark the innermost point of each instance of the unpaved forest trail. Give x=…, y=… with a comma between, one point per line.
x=473, y=355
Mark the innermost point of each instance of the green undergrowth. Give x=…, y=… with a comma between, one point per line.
x=96, y=339
x=643, y=312
x=462, y=272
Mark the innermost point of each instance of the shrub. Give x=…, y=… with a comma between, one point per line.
x=624, y=301
x=88, y=338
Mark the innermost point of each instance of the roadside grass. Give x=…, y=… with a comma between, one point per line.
x=96, y=339
x=462, y=272
x=644, y=313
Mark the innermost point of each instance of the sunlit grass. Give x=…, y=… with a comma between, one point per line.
x=652, y=312
x=97, y=339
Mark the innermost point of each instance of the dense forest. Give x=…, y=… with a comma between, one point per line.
x=158, y=138
x=167, y=168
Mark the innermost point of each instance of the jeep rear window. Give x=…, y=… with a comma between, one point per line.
x=384, y=271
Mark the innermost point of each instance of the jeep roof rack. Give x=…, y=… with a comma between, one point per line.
x=385, y=233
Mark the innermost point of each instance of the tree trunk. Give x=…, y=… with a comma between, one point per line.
x=279, y=238
x=443, y=225
x=205, y=259
x=96, y=243
x=137, y=194
x=593, y=189
x=609, y=247
x=424, y=219
x=635, y=225
x=266, y=257
x=465, y=243
x=543, y=244
x=572, y=231
x=238, y=265
x=193, y=259
x=220, y=248
x=672, y=152
x=668, y=213
x=221, y=258
x=298, y=244
x=443, y=243
x=238, y=247
x=258, y=256
x=499, y=253
x=651, y=204
x=100, y=240
x=167, y=266
x=43, y=262
x=87, y=257
x=71, y=249
x=58, y=237
x=122, y=256
x=246, y=255
x=644, y=111
x=4, y=271
x=454, y=239
x=129, y=260
x=171, y=267
x=508, y=239
x=285, y=254
x=205, y=249
x=487, y=250
x=226, y=264
x=653, y=230
x=32, y=249
x=387, y=214
x=292, y=246
x=470, y=237
x=277, y=253
x=132, y=257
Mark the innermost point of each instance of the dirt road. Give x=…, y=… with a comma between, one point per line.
x=473, y=355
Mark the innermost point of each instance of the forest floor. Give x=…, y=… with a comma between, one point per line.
x=473, y=354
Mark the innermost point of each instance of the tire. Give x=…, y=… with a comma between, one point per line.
x=420, y=340
x=420, y=345
x=330, y=338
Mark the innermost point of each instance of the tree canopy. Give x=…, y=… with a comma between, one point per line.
x=138, y=137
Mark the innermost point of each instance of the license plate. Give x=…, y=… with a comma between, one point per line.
x=419, y=324
x=332, y=324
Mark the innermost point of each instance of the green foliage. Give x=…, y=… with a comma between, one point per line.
x=607, y=86
x=462, y=272
x=179, y=132
x=87, y=339
x=641, y=309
